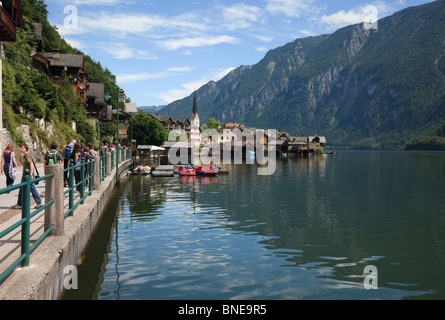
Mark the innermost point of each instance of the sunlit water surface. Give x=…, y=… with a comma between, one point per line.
x=306, y=232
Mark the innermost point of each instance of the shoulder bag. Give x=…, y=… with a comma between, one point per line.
x=36, y=176
x=12, y=169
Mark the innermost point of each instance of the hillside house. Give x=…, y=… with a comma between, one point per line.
x=10, y=18
x=96, y=106
x=54, y=63
x=173, y=124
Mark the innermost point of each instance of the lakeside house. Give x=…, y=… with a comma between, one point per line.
x=235, y=135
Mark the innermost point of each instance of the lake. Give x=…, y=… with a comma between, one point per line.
x=306, y=232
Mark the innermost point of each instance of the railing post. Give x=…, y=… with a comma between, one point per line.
x=54, y=215
x=26, y=214
x=71, y=184
x=108, y=163
x=96, y=171
x=82, y=179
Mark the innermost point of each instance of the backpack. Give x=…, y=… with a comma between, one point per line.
x=51, y=157
x=81, y=158
x=68, y=150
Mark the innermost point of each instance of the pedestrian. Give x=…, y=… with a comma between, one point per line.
x=93, y=151
x=86, y=156
x=28, y=163
x=66, y=152
x=9, y=165
x=53, y=156
x=76, y=158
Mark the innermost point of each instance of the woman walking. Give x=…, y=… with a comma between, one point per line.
x=7, y=164
x=28, y=164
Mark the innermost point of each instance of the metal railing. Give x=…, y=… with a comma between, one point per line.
x=84, y=179
x=25, y=222
x=84, y=176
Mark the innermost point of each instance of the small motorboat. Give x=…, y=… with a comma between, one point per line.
x=142, y=170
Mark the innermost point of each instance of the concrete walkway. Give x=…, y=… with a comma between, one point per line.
x=10, y=245
x=45, y=278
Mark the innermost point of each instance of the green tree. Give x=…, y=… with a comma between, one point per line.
x=212, y=124
x=148, y=131
x=30, y=101
x=67, y=97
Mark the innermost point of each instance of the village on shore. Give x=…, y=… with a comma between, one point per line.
x=236, y=134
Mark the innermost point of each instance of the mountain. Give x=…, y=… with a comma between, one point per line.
x=152, y=109
x=360, y=87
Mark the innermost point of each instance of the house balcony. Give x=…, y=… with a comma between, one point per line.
x=8, y=27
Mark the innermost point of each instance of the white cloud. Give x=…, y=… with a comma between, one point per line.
x=74, y=43
x=91, y=2
x=133, y=77
x=95, y=2
x=121, y=25
x=343, y=18
x=241, y=16
x=369, y=13
x=174, y=44
x=222, y=73
x=189, y=87
x=123, y=51
x=180, y=69
x=289, y=8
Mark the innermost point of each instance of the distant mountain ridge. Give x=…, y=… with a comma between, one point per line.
x=152, y=109
x=360, y=87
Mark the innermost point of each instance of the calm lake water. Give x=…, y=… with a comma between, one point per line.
x=306, y=232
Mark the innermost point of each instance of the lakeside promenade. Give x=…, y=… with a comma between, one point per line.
x=10, y=246
x=44, y=278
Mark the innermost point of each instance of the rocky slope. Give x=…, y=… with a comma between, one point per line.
x=361, y=87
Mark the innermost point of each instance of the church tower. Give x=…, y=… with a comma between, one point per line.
x=195, y=131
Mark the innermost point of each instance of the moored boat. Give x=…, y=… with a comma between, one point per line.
x=141, y=170
x=186, y=171
x=207, y=171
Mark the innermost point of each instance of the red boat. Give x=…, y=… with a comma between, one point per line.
x=207, y=171
x=186, y=171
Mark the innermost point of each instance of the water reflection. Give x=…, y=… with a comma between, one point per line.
x=306, y=232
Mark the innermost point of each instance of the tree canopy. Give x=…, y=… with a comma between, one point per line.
x=212, y=124
x=148, y=131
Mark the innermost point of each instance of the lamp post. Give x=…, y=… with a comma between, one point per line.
x=117, y=137
x=131, y=139
x=117, y=130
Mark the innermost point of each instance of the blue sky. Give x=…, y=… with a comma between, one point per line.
x=162, y=50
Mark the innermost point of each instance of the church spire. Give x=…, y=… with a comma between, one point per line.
x=195, y=106
x=195, y=132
